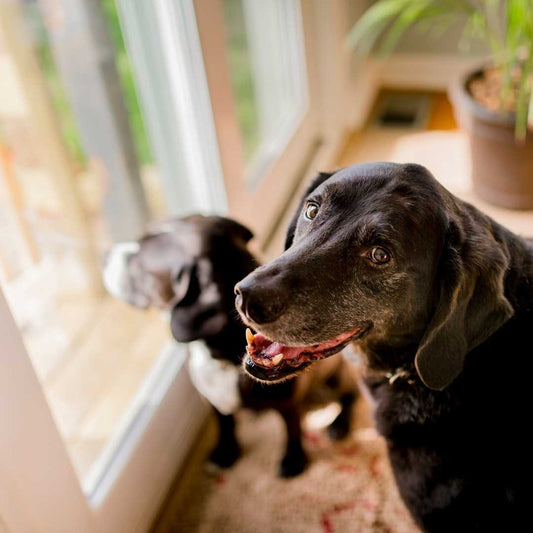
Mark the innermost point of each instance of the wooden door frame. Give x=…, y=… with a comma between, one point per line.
x=211, y=26
x=326, y=122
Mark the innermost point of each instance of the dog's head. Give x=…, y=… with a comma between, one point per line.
x=378, y=253
x=187, y=266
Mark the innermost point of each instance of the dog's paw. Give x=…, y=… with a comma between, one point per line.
x=225, y=456
x=293, y=464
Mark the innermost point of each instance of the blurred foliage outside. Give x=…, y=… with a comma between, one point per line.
x=127, y=83
x=61, y=104
x=240, y=68
x=241, y=75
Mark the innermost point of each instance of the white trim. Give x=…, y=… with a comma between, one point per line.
x=164, y=48
x=365, y=85
x=424, y=71
x=136, y=495
x=40, y=491
x=275, y=39
x=186, y=74
x=108, y=466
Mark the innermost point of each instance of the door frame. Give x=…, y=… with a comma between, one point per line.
x=324, y=26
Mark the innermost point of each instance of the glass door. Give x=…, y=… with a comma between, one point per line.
x=113, y=113
x=261, y=69
x=96, y=408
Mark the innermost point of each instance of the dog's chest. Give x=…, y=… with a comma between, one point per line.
x=215, y=379
x=400, y=406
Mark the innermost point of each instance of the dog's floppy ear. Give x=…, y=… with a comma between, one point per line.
x=470, y=307
x=156, y=287
x=186, y=285
x=320, y=178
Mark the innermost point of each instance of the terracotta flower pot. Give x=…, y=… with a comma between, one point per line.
x=502, y=168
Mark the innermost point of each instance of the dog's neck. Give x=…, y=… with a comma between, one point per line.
x=388, y=352
x=405, y=375
x=354, y=354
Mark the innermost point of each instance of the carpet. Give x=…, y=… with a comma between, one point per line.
x=347, y=488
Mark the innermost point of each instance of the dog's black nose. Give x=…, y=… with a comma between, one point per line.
x=256, y=301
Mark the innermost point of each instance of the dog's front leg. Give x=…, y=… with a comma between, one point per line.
x=295, y=459
x=227, y=450
x=341, y=426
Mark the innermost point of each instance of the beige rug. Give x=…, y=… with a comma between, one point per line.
x=348, y=487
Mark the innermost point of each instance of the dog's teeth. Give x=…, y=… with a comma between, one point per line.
x=249, y=349
x=249, y=336
x=277, y=359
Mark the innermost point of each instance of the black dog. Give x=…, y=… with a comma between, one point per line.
x=189, y=266
x=438, y=298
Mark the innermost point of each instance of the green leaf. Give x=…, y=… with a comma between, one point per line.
x=368, y=29
x=409, y=16
x=506, y=26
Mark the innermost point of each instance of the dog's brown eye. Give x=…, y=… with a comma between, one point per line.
x=311, y=211
x=379, y=255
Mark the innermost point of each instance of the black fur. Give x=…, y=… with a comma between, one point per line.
x=183, y=260
x=448, y=346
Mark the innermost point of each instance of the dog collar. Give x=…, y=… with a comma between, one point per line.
x=400, y=373
x=392, y=377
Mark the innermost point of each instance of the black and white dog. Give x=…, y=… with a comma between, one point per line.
x=189, y=267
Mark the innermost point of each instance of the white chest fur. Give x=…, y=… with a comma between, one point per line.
x=215, y=379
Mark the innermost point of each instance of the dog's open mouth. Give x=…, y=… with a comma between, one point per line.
x=271, y=361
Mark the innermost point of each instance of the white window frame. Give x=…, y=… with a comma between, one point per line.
x=175, y=102
x=280, y=16
x=40, y=491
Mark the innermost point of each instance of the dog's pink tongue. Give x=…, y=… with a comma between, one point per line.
x=266, y=348
x=268, y=354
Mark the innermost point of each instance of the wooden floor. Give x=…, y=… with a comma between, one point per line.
x=93, y=384
x=91, y=353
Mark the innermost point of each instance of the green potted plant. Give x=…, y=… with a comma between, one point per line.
x=493, y=102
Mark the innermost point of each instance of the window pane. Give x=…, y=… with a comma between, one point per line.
x=59, y=204
x=267, y=66
x=241, y=75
